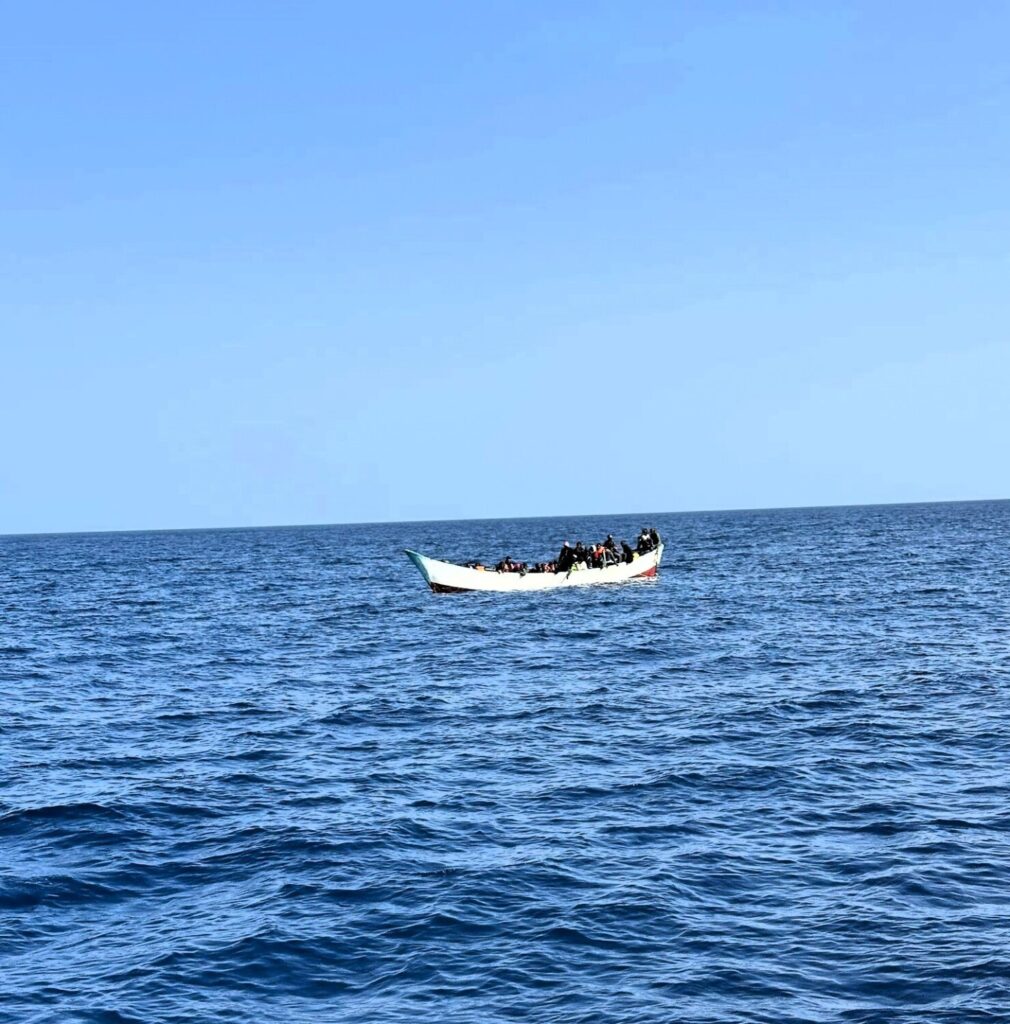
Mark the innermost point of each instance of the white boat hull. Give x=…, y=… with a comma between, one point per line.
x=448, y=578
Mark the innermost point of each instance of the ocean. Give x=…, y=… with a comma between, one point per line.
x=266, y=775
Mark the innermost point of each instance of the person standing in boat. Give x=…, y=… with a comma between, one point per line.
x=654, y=536
x=626, y=551
x=566, y=558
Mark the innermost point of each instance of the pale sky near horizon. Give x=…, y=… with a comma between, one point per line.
x=312, y=262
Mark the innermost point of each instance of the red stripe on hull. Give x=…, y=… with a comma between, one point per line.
x=648, y=572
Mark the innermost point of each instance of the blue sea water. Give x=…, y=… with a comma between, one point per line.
x=265, y=775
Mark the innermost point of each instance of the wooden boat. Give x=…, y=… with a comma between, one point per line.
x=448, y=578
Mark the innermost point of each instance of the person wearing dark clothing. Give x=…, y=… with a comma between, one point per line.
x=609, y=543
x=626, y=551
x=654, y=536
x=566, y=559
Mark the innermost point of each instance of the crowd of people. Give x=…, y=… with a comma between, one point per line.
x=595, y=556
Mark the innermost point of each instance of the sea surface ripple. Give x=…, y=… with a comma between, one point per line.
x=265, y=775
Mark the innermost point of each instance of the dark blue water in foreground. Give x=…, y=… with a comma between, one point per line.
x=265, y=775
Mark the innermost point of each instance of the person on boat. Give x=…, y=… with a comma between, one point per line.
x=654, y=536
x=565, y=559
x=626, y=551
x=610, y=545
x=581, y=555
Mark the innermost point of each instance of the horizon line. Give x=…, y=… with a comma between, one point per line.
x=491, y=519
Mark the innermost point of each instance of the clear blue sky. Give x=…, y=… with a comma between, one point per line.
x=311, y=262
